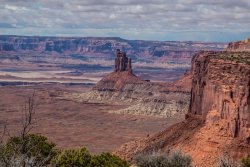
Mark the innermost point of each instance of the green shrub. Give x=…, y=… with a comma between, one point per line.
x=151, y=160
x=245, y=162
x=82, y=158
x=107, y=160
x=174, y=159
x=31, y=150
x=72, y=158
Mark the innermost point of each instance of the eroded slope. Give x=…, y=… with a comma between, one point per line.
x=217, y=123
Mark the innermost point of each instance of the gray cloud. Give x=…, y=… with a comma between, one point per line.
x=126, y=18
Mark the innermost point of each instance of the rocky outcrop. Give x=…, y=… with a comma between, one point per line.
x=239, y=45
x=118, y=81
x=142, y=97
x=122, y=75
x=122, y=62
x=222, y=85
x=205, y=143
x=217, y=124
x=123, y=87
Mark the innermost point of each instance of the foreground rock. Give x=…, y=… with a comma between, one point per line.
x=217, y=123
x=221, y=86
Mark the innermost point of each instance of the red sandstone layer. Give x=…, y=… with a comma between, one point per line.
x=218, y=122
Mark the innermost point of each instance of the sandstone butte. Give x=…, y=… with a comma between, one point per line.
x=144, y=97
x=218, y=121
x=121, y=76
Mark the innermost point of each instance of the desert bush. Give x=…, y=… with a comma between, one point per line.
x=82, y=158
x=227, y=161
x=151, y=160
x=245, y=162
x=178, y=159
x=32, y=150
x=72, y=158
x=107, y=160
x=25, y=150
x=174, y=159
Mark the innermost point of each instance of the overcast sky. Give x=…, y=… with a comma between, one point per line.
x=200, y=20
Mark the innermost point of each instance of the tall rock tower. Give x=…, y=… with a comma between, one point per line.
x=122, y=62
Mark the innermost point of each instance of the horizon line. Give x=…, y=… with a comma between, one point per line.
x=58, y=36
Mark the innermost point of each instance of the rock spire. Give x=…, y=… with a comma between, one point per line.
x=122, y=62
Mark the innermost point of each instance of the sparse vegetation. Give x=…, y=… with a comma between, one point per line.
x=238, y=57
x=230, y=162
x=26, y=150
x=226, y=161
x=178, y=159
x=174, y=159
x=151, y=160
x=107, y=160
x=82, y=158
x=245, y=162
x=32, y=150
x=68, y=158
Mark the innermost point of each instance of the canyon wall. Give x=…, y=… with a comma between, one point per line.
x=105, y=47
x=221, y=90
x=153, y=60
x=217, y=125
x=239, y=45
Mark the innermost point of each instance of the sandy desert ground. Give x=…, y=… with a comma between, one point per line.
x=71, y=124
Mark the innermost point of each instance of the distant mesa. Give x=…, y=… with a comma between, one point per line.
x=84, y=48
x=122, y=62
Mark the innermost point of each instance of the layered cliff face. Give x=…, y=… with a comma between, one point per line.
x=221, y=85
x=92, y=58
x=105, y=47
x=217, y=124
x=239, y=45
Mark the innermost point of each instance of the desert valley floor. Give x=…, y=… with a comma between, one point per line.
x=72, y=124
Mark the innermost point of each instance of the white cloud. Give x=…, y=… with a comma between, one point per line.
x=139, y=19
